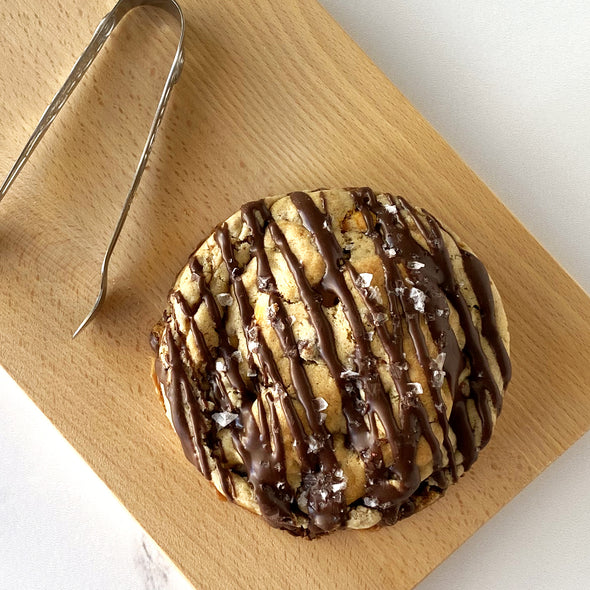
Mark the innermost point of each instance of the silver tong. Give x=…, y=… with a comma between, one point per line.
x=102, y=33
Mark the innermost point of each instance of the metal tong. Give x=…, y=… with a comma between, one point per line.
x=102, y=33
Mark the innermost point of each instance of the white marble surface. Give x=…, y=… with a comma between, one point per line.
x=61, y=528
x=508, y=85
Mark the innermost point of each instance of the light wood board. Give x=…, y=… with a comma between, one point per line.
x=273, y=97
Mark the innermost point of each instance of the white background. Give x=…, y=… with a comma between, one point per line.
x=507, y=84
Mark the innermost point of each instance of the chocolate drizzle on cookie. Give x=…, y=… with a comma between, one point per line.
x=384, y=423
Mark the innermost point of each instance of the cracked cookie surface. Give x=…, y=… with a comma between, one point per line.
x=332, y=359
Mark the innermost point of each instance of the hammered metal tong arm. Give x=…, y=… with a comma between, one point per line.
x=102, y=33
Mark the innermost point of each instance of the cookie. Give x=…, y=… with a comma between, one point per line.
x=332, y=359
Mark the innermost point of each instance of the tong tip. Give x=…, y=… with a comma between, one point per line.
x=91, y=314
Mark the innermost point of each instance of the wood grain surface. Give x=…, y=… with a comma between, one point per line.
x=274, y=97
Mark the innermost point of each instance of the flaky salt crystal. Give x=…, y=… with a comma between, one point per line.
x=312, y=445
x=374, y=294
x=236, y=354
x=364, y=279
x=415, y=265
x=419, y=298
x=389, y=250
x=348, y=373
x=391, y=209
x=402, y=366
x=415, y=388
x=338, y=487
x=438, y=378
x=370, y=335
x=224, y=299
x=323, y=417
x=320, y=403
x=224, y=418
x=370, y=502
x=439, y=361
x=380, y=318
x=220, y=366
x=271, y=312
x=440, y=407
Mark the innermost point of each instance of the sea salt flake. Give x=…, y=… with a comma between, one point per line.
x=391, y=209
x=236, y=354
x=439, y=361
x=253, y=345
x=415, y=388
x=251, y=373
x=348, y=373
x=220, y=366
x=389, y=250
x=442, y=312
x=340, y=482
x=292, y=319
x=415, y=265
x=380, y=318
x=223, y=419
x=224, y=299
x=323, y=417
x=374, y=295
x=263, y=283
x=272, y=312
x=370, y=502
x=364, y=279
x=313, y=446
x=370, y=335
x=320, y=403
x=438, y=377
x=302, y=501
x=339, y=486
x=326, y=225
x=402, y=366
x=440, y=407
x=418, y=297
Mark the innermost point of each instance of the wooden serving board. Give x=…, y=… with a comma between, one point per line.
x=273, y=97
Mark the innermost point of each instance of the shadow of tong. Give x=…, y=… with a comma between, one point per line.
x=102, y=33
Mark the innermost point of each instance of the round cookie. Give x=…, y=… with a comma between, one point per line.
x=333, y=358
